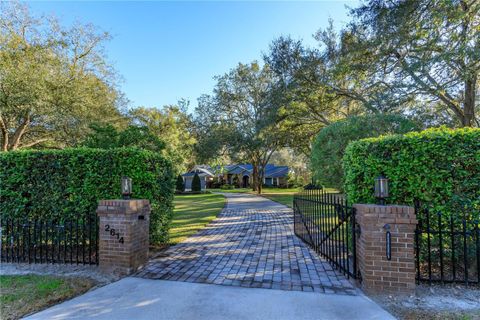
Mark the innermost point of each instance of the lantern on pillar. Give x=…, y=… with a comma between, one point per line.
x=381, y=189
x=126, y=187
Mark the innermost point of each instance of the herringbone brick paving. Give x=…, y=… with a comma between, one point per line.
x=250, y=244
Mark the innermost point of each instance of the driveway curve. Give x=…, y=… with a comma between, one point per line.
x=250, y=244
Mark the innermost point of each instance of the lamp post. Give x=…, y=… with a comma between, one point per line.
x=126, y=187
x=381, y=189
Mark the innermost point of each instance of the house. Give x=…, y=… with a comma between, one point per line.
x=204, y=173
x=238, y=175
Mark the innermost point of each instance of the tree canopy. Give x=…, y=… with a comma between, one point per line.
x=172, y=125
x=54, y=81
x=241, y=117
x=429, y=49
x=329, y=146
x=415, y=59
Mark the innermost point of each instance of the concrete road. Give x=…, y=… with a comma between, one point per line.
x=135, y=298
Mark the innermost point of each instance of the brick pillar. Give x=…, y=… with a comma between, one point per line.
x=124, y=225
x=378, y=274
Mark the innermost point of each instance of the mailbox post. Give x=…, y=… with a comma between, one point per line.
x=124, y=233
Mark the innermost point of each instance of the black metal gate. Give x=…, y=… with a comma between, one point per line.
x=326, y=223
x=47, y=241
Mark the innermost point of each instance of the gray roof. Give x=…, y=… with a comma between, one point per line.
x=271, y=170
x=200, y=170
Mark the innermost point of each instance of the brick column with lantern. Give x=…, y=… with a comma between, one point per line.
x=124, y=232
x=385, y=247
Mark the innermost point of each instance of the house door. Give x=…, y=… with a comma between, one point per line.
x=245, y=181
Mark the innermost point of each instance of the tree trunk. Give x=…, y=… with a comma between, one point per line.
x=259, y=191
x=261, y=174
x=254, y=177
x=3, y=129
x=469, y=104
x=259, y=184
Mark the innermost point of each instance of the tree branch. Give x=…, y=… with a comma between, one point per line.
x=4, y=131
x=31, y=144
x=19, y=132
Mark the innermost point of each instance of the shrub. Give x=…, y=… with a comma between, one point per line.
x=216, y=185
x=295, y=181
x=329, y=146
x=439, y=167
x=65, y=184
x=180, y=186
x=196, y=184
x=227, y=187
x=236, y=182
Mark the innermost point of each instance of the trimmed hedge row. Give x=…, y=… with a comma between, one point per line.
x=65, y=184
x=440, y=167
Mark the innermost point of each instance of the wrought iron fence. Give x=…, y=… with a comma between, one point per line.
x=325, y=222
x=47, y=241
x=447, y=247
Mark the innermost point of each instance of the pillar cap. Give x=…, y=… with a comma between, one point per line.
x=393, y=213
x=122, y=206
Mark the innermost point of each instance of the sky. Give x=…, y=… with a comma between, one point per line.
x=166, y=51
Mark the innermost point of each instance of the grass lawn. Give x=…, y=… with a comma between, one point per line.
x=24, y=294
x=280, y=195
x=192, y=212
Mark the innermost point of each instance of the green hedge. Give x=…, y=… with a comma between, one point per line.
x=440, y=167
x=65, y=184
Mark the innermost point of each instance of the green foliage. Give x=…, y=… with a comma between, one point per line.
x=64, y=184
x=330, y=144
x=295, y=181
x=171, y=124
x=423, y=49
x=196, y=184
x=227, y=186
x=180, y=186
x=55, y=80
x=440, y=167
x=108, y=137
x=298, y=164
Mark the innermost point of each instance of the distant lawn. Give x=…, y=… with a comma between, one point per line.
x=285, y=195
x=192, y=213
x=280, y=195
x=23, y=294
x=236, y=190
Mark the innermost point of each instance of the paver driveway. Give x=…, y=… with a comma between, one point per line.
x=250, y=244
